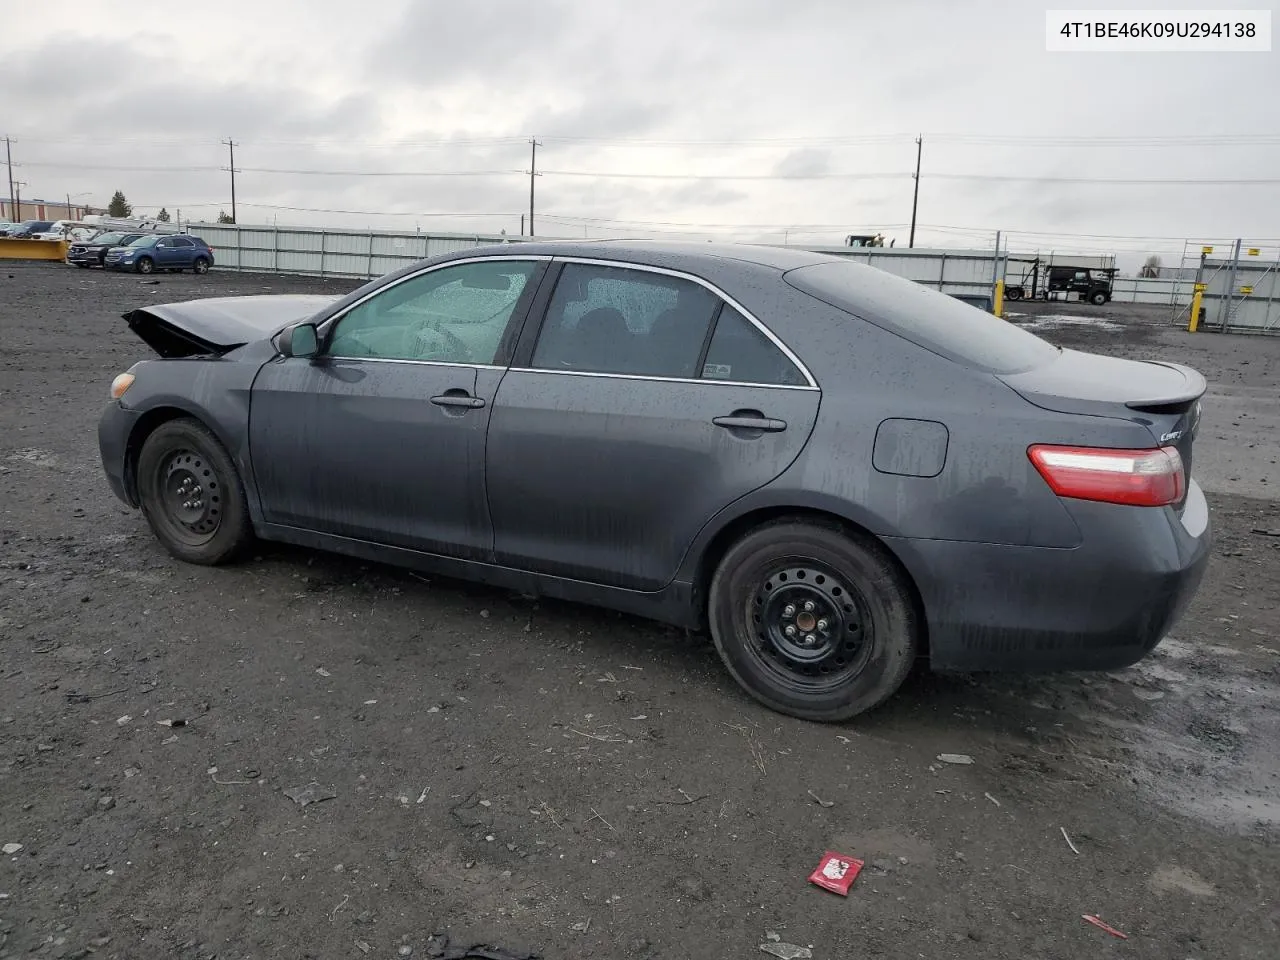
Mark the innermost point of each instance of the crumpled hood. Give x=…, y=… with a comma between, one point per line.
x=219, y=324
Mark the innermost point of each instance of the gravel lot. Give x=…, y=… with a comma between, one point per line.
x=553, y=778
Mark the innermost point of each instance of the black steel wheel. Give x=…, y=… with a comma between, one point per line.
x=1098, y=298
x=191, y=493
x=813, y=621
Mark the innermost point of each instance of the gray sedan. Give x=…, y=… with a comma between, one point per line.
x=835, y=471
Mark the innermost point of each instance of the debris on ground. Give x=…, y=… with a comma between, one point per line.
x=786, y=951
x=439, y=948
x=172, y=723
x=992, y=799
x=836, y=873
x=9, y=848
x=121, y=721
x=1260, y=531
x=962, y=759
x=1069, y=843
x=311, y=793
x=323, y=672
x=819, y=801
x=1102, y=926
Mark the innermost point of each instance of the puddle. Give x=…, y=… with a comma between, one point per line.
x=1054, y=321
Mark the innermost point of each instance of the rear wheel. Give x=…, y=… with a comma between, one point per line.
x=200, y=265
x=191, y=493
x=1014, y=293
x=145, y=265
x=813, y=622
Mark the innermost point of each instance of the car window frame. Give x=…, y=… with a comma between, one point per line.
x=510, y=336
x=523, y=359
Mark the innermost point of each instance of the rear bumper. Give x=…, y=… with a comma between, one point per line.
x=1102, y=605
x=114, y=429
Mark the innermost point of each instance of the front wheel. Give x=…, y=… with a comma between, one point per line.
x=145, y=265
x=201, y=265
x=191, y=493
x=813, y=622
x=1098, y=298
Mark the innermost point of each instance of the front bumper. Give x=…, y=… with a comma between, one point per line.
x=84, y=256
x=1099, y=606
x=115, y=426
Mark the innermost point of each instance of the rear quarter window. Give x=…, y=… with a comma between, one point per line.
x=933, y=320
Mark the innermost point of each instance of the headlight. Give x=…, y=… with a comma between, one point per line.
x=120, y=384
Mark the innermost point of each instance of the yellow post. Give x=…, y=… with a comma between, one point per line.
x=1194, y=323
x=998, y=307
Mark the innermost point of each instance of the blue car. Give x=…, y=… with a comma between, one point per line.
x=170, y=252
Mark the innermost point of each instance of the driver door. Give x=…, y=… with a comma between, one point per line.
x=382, y=436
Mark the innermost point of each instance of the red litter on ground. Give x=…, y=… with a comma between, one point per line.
x=836, y=873
x=1102, y=926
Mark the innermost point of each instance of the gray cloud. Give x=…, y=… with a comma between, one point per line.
x=805, y=87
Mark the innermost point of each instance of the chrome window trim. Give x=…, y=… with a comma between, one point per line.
x=707, y=285
x=692, y=380
x=418, y=363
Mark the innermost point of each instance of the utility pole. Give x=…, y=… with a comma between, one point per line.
x=533, y=172
x=915, y=193
x=18, y=184
x=8, y=157
x=231, y=146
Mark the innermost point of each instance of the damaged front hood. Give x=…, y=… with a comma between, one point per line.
x=219, y=324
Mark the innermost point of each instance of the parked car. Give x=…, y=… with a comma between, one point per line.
x=152, y=252
x=93, y=253
x=833, y=469
x=28, y=229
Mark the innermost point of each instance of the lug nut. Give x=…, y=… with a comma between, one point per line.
x=791, y=630
x=186, y=504
x=810, y=639
x=789, y=610
x=822, y=624
x=197, y=504
x=808, y=606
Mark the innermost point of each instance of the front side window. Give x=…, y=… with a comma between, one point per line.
x=619, y=320
x=454, y=314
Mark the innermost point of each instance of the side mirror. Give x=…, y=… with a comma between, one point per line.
x=300, y=340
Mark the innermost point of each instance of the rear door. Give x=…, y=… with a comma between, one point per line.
x=167, y=253
x=642, y=405
x=184, y=252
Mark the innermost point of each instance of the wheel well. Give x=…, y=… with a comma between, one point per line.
x=146, y=425
x=738, y=528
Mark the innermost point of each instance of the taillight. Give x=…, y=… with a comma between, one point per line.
x=1139, y=478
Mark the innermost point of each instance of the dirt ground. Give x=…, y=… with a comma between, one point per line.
x=556, y=779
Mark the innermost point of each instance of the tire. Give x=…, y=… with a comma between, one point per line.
x=191, y=494
x=851, y=580
x=145, y=265
x=1013, y=293
x=1098, y=298
x=200, y=265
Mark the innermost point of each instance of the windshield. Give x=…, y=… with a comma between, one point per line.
x=108, y=238
x=933, y=320
x=143, y=242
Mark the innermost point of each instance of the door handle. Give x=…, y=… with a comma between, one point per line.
x=459, y=399
x=754, y=422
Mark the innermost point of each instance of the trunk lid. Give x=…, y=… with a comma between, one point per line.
x=1164, y=397
x=218, y=325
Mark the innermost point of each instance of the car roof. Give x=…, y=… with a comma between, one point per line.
x=660, y=252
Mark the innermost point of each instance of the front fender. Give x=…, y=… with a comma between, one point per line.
x=215, y=391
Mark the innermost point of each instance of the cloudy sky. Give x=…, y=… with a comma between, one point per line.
x=751, y=119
